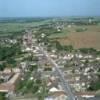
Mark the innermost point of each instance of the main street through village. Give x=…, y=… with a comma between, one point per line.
x=65, y=84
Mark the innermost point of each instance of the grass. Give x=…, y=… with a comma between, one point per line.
x=61, y=34
x=12, y=28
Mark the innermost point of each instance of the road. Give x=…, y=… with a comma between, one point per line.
x=65, y=84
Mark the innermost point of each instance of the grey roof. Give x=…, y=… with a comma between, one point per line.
x=95, y=98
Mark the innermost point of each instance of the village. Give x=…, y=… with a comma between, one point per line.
x=34, y=75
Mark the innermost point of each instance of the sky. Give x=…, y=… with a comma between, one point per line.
x=49, y=8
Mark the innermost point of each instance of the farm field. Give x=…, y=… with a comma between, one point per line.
x=60, y=34
x=15, y=28
x=86, y=39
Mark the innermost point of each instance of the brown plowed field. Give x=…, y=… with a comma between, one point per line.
x=87, y=39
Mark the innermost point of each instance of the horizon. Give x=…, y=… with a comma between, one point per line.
x=52, y=17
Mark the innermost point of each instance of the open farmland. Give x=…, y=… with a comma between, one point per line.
x=15, y=26
x=84, y=39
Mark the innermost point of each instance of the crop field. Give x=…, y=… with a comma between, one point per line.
x=9, y=28
x=82, y=39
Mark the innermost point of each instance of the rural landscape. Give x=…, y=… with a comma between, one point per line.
x=49, y=50
x=50, y=58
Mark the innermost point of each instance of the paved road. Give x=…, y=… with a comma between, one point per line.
x=65, y=84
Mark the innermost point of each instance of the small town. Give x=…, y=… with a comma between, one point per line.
x=49, y=50
x=33, y=67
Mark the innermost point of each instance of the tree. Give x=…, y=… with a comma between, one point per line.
x=88, y=50
x=2, y=96
x=94, y=86
x=68, y=48
x=3, y=66
x=35, y=88
x=8, y=52
x=58, y=45
x=11, y=62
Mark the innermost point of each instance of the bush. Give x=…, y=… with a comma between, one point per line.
x=68, y=48
x=94, y=86
x=88, y=50
x=2, y=96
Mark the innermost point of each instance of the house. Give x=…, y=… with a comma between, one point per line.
x=6, y=87
x=16, y=70
x=98, y=58
x=53, y=89
x=7, y=70
x=94, y=98
x=28, y=49
x=14, y=79
x=6, y=77
x=6, y=74
x=43, y=35
x=56, y=97
x=23, y=65
x=86, y=94
x=10, y=85
x=79, y=56
x=56, y=94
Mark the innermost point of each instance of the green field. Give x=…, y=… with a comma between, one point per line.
x=61, y=34
x=9, y=28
